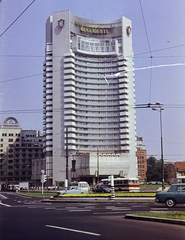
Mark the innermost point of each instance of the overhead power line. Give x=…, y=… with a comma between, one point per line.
x=150, y=87
x=16, y=18
x=145, y=28
x=21, y=56
x=19, y=78
x=113, y=75
x=40, y=110
x=161, y=49
x=136, y=55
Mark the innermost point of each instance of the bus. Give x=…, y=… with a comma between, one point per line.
x=123, y=184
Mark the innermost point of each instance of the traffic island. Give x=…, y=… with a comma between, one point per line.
x=168, y=219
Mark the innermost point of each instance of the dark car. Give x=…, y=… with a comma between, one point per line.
x=101, y=188
x=174, y=195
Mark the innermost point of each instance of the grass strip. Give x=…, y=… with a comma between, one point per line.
x=168, y=215
x=117, y=194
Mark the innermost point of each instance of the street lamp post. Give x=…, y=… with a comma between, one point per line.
x=160, y=107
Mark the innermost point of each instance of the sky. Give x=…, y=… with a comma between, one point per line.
x=158, y=40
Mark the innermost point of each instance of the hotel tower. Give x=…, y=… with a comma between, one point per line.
x=89, y=97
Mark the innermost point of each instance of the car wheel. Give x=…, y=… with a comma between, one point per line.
x=170, y=202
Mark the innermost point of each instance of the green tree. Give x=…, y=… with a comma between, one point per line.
x=153, y=169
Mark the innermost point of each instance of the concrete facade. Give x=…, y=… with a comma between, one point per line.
x=18, y=149
x=89, y=98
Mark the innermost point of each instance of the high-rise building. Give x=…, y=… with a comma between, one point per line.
x=89, y=97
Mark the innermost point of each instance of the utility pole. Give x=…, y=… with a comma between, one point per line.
x=159, y=107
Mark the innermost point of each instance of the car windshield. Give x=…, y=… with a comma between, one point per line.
x=170, y=189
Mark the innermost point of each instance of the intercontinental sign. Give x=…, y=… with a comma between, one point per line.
x=94, y=29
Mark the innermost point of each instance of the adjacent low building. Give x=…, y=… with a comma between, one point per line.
x=175, y=172
x=18, y=150
x=141, y=159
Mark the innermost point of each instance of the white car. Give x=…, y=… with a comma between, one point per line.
x=72, y=190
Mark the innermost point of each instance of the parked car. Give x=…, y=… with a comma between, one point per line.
x=101, y=188
x=72, y=190
x=174, y=195
x=81, y=184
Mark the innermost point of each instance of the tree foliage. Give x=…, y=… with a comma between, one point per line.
x=154, y=172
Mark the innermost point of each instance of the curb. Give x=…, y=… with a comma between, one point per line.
x=99, y=200
x=154, y=219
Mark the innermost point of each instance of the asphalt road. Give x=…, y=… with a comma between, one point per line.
x=24, y=218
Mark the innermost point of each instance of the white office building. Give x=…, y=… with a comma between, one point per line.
x=89, y=92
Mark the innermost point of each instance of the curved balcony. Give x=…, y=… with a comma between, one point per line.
x=49, y=64
x=49, y=74
x=49, y=58
x=69, y=59
x=69, y=71
x=69, y=65
x=49, y=148
x=69, y=76
x=49, y=108
x=96, y=65
x=48, y=91
x=124, y=125
x=49, y=114
x=49, y=131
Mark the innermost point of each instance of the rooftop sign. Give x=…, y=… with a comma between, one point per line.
x=94, y=28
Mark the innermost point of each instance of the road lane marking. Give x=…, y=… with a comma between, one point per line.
x=90, y=207
x=73, y=230
x=117, y=208
x=79, y=210
x=138, y=206
x=158, y=209
x=70, y=207
x=48, y=208
x=3, y=196
x=60, y=209
x=6, y=205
